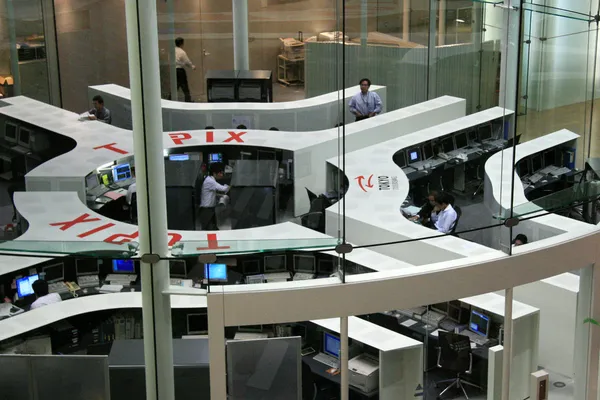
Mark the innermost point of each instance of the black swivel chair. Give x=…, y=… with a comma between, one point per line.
x=454, y=354
x=311, y=196
x=311, y=390
x=133, y=208
x=513, y=141
x=315, y=218
x=458, y=215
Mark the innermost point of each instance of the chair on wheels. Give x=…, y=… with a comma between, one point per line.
x=311, y=196
x=133, y=209
x=458, y=215
x=454, y=354
x=311, y=390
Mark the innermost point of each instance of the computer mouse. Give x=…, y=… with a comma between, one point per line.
x=84, y=291
x=14, y=309
x=544, y=181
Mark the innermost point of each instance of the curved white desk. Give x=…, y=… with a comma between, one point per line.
x=312, y=114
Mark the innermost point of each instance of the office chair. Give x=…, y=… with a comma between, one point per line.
x=311, y=196
x=513, y=141
x=133, y=208
x=313, y=391
x=454, y=354
x=315, y=217
x=458, y=215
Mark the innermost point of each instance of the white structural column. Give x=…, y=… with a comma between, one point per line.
x=507, y=353
x=142, y=44
x=241, y=57
x=345, y=372
x=216, y=343
x=364, y=22
x=172, y=67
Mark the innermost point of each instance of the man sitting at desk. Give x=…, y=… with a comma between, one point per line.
x=208, y=197
x=99, y=112
x=424, y=215
x=444, y=219
x=40, y=288
x=365, y=104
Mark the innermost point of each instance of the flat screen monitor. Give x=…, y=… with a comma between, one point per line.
x=428, y=151
x=123, y=266
x=24, y=137
x=523, y=168
x=485, y=132
x=250, y=328
x=54, y=272
x=472, y=134
x=177, y=269
x=326, y=267
x=536, y=163
x=461, y=140
x=400, y=159
x=87, y=266
x=331, y=344
x=250, y=267
x=179, y=157
x=91, y=181
x=549, y=158
x=448, y=145
x=479, y=323
x=414, y=155
x=121, y=172
x=10, y=132
x=215, y=157
x=24, y=285
x=197, y=324
x=304, y=263
x=267, y=155
x=440, y=307
x=454, y=313
x=275, y=263
x=215, y=272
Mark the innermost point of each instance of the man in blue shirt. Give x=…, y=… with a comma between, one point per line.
x=365, y=104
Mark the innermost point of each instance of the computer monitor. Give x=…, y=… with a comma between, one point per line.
x=24, y=137
x=54, y=272
x=331, y=344
x=197, y=324
x=549, y=158
x=440, y=307
x=536, y=163
x=472, y=134
x=523, y=168
x=24, y=285
x=428, y=151
x=448, y=145
x=250, y=328
x=250, y=267
x=267, y=155
x=275, y=263
x=177, y=269
x=215, y=157
x=10, y=132
x=179, y=157
x=91, y=181
x=414, y=155
x=215, y=272
x=485, y=132
x=123, y=266
x=454, y=312
x=326, y=267
x=87, y=266
x=121, y=172
x=304, y=263
x=461, y=140
x=479, y=323
x=400, y=159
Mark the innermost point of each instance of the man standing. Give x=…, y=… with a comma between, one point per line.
x=182, y=61
x=365, y=104
x=99, y=112
x=208, y=197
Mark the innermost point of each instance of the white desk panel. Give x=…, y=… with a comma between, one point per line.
x=46, y=315
x=373, y=215
x=494, y=303
x=312, y=114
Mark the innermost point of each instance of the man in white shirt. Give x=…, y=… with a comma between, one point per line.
x=446, y=216
x=130, y=191
x=40, y=288
x=208, y=197
x=365, y=104
x=181, y=61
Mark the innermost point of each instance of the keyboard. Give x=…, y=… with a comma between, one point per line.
x=277, y=276
x=536, y=177
x=110, y=288
x=408, y=170
x=495, y=143
x=303, y=276
x=419, y=165
x=561, y=171
x=175, y=282
x=8, y=310
x=121, y=279
x=124, y=183
x=432, y=318
x=21, y=149
x=87, y=281
x=410, y=312
x=475, y=338
x=448, y=325
x=97, y=191
x=251, y=279
x=549, y=169
x=326, y=359
x=444, y=156
x=58, y=287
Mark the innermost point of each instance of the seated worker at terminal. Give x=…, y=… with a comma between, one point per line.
x=208, y=199
x=365, y=104
x=424, y=215
x=520, y=239
x=445, y=218
x=40, y=288
x=99, y=112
